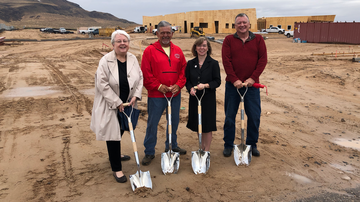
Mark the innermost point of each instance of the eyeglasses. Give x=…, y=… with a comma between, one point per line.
x=124, y=41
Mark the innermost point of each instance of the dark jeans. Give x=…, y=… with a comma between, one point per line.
x=114, y=151
x=156, y=107
x=252, y=110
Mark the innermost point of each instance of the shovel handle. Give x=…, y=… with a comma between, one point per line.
x=126, y=104
x=199, y=126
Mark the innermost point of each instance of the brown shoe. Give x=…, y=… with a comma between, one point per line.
x=147, y=159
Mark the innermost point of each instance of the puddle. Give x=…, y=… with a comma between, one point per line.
x=299, y=178
x=354, y=144
x=30, y=91
x=90, y=91
x=346, y=168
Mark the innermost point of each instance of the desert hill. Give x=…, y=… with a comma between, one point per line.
x=54, y=13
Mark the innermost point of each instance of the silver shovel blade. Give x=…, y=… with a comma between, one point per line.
x=200, y=161
x=242, y=154
x=170, y=162
x=142, y=182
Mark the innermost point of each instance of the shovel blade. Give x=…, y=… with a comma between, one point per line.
x=242, y=154
x=170, y=162
x=144, y=181
x=200, y=161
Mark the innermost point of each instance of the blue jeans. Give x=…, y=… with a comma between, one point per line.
x=156, y=107
x=252, y=110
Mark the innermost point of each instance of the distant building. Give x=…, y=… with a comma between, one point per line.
x=212, y=21
x=287, y=23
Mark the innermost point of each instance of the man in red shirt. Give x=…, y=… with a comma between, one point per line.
x=244, y=58
x=163, y=65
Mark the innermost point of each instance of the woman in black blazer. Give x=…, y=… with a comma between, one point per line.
x=203, y=72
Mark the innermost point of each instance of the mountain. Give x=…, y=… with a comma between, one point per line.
x=54, y=13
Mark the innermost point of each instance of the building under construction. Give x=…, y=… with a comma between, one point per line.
x=212, y=21
x=287, y=23
x=223, y=21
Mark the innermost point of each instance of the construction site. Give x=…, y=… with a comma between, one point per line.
x=309, y=131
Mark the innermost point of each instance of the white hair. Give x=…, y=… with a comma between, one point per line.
x=122, y=32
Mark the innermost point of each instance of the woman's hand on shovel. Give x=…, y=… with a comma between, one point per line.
x=132, y=101
x=121, y=107
x=192, y=91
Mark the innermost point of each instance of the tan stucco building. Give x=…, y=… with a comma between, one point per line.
x=287, y=23
x=212, y=21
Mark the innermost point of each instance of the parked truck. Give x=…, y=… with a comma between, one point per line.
x=289, y=34
x=87, y=31
x=140, y=29
x=274, y=30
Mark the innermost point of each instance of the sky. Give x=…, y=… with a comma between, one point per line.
x=345, y=10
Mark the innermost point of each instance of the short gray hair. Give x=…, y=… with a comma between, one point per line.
x=242, y=15
x=119, y=32
x=163, y=24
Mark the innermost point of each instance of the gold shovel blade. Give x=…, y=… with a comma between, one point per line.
x=170, y=162
x=142, y=182
x=200, y=161
x=242, y=154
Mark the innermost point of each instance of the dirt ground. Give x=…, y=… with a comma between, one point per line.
x=309, y=132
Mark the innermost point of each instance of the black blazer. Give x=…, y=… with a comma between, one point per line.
x=209, y=73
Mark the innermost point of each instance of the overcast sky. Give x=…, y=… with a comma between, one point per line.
x=133, y=10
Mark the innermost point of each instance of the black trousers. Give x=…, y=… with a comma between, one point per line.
x=114, y=151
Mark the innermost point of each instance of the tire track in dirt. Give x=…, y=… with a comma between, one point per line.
x=64, y=81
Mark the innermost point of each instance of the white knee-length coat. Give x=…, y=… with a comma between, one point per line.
x=104, y=121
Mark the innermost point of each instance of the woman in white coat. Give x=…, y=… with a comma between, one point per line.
x=118, y=80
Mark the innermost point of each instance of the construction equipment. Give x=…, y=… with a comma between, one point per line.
x=170, y=160
x=197, y=32
x=242, y=152
x=140, y=179
x=200, y=159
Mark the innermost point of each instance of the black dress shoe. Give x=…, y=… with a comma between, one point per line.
x=125, y=158
x=120, y=179
x=255, y=152
x=227, y=152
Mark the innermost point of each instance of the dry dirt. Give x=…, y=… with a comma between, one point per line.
x=309, y=133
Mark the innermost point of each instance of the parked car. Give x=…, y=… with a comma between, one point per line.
x=48, y=30
x=274, y=30
x=289, y=34
x=62, y=30
x=154, y=31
